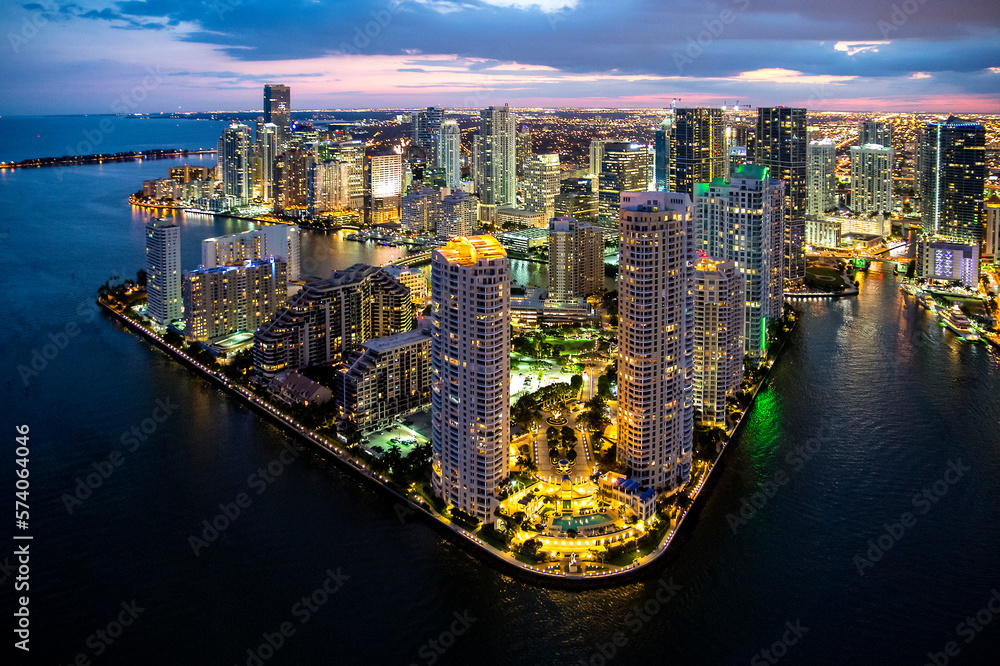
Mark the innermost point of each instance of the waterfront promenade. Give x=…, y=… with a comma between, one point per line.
x=411, y=503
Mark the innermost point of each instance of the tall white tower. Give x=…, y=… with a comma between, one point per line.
x=163, y=271
x=470, y=357
x=656, y=338
x=542, y=186
x=821, y=176
x=450, y=152
x=718, y=337
x=871, y=179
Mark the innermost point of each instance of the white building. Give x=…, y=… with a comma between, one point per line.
x=277, y=240
x=450, y=152
x=743, y=220
x=718, y=337
x=991, y=244
x=823, y=231
x=656, y=338
x=470, y=358
x=542, y=184
x=330, y=186
x=163, y=271
x=871, y=179
x=387, y=176
x=231, y=299
x=821, y=176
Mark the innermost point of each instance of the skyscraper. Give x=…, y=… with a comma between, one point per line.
x=542, y=184
x=328, y=319
x=697, y=149
x=821, y=176
x=576, y=259
x=661, y=145
x=420, y=210
x=780, y=145
x=719, y=308
x=291, y=174
x=523, y=151
x=656, y=338
x=449, y=152
x=458, y=215
x=496, y=181
x=427, y=132
x=235, y=165
x=871, y=179
x=953, y=169
x=230, y=299
x=163, y=271
x=278, y=108
x=597, y=155
x=873, y=131
x=470, y=359
x=267, y=155
x=624, y=168
x=742, y=220
x=272, y=240
x=991, y=246
x=386, y=186
x=353, y=152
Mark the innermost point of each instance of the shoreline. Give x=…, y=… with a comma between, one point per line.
x=641, y=569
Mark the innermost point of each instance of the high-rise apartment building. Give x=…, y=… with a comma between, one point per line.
x=821, y=176
x=278, y=108
x=780, y=145
x=411, y=278
x=420, y=210
x=743, y=220
x=719, y=295
x=697, y=148
x=458, y=215
x=578, y=198
x=661, y=145
x=624, y=168
x=656, y=338
x=427, y=132
x=386, y=187
x=871, y=179
x=231, y=299
x=163, y=271
x=874, y=131
x=387, y=378
x=291, y=173
x=470, y=357
x=953, y=171
x=542, y=184
x=272, y=240
x=991, y=245
x=597, y=155
x=351, y=151
x=496, y=180
x=235, y=165
x=449, y=153
x=266, y=155
x=522, y=151
x=576, y=259
x=329, y=186
x=330, y=318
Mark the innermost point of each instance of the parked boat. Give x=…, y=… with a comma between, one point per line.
x=956, y=320
x=926, y=300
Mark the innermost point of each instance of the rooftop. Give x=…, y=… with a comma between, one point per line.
x=468, y=250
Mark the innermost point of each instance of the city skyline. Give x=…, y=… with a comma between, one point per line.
x=155, y=56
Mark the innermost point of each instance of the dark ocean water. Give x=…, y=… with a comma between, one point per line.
x=877, y=397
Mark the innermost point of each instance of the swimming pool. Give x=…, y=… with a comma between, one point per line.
x=576, y=522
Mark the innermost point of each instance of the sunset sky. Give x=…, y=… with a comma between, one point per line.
x=188, y=55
